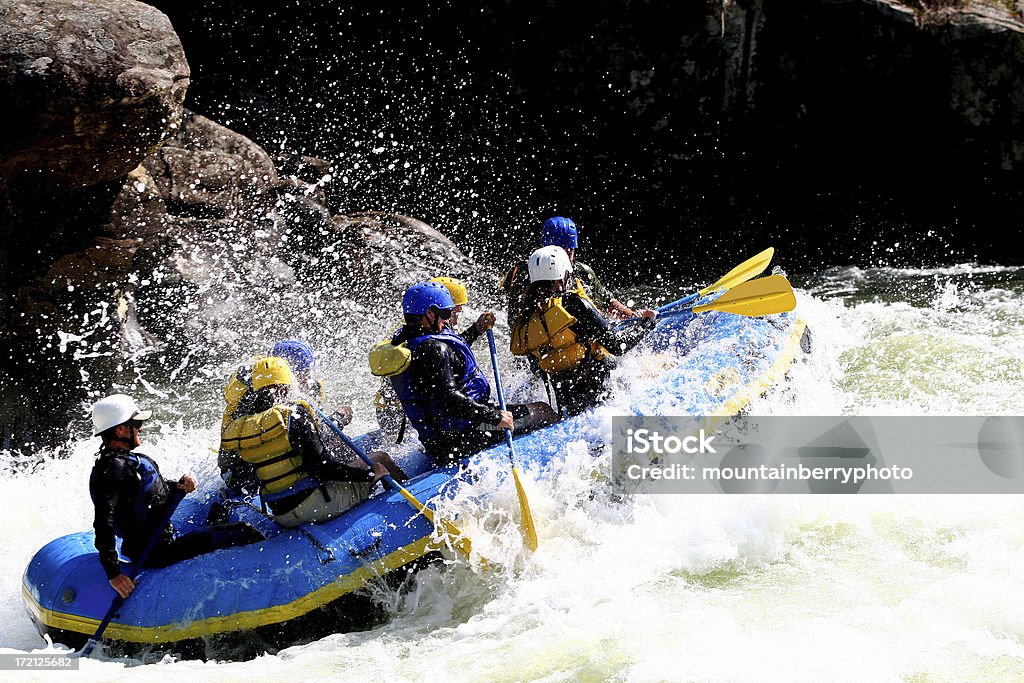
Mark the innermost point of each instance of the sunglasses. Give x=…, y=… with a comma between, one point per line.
x=443, y=313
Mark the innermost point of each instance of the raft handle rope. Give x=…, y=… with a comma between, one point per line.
x=324, y=554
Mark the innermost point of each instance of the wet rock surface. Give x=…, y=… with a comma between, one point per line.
x=89, y=88
x=202, y=250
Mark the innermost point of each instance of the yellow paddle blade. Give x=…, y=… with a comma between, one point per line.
x=458, y=540
x=750, y=268
x=526, y=517
x=765, y=296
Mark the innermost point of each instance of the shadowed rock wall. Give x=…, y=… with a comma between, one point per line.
x=823, y=126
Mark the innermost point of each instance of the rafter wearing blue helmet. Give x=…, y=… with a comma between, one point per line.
x=297, y=352
x=560, y=231
x=424, y=297
x=385, y=359
x=443, y=392
x=241, y=400
x=302, y=360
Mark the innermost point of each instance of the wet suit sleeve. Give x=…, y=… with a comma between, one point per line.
x=238, y=475
x=433, y=374
x=319, y=461
x=591, y=326
x=106, y=486
x=470, y=335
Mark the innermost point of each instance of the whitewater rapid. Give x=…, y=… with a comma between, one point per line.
x=720, y=588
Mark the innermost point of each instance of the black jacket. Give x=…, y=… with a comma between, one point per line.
x=591, y=326
x=116, y=486
x=435, y=372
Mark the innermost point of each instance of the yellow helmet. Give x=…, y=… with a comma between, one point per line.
x=455, y=288
x=271, y=371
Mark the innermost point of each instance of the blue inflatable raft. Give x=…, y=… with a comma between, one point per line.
x=301, y=584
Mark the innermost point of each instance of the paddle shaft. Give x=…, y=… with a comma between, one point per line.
x=661, y=316
x=500, y=391
x=387, y=478
x=676, y=313
x=765, y=296
x=752, y=267
x=461, y=543
x=526, y=516
x=685, y=301
x=176, y=497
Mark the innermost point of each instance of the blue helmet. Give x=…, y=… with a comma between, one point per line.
x=298, y=353
x=421, y=297
x=559, y=232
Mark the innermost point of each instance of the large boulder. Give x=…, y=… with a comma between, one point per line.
x=207, y=171
x=201, y=253
x=142, y=244
x=90, y=88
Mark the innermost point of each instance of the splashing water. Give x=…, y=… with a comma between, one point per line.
x=677, y=587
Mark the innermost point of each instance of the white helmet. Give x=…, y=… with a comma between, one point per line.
x=549, y=263
x=115, y=410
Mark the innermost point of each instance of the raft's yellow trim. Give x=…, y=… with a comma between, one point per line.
x=350, y=583
x=241, y=621
x=772, y=376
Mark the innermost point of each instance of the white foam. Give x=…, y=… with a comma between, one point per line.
x=786, y=588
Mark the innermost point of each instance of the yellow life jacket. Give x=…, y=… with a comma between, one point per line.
x=262, y=440
x=547, y=334
x=581, y=291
